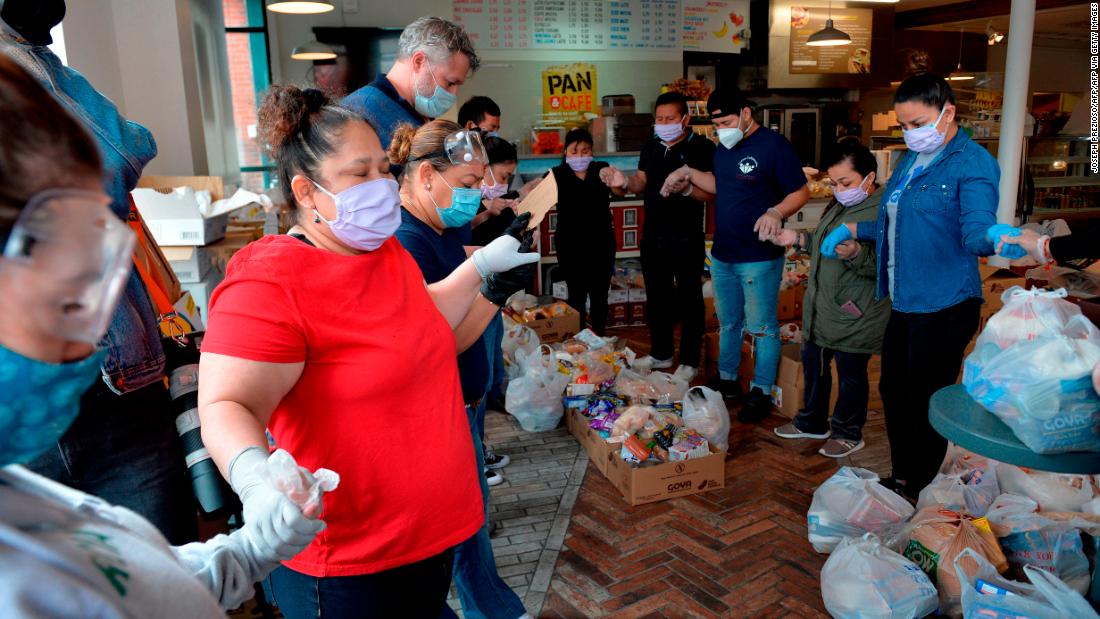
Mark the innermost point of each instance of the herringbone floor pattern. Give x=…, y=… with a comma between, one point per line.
x=739, y=551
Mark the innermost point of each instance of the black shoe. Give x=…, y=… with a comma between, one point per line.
x=757, y=407
x=730, y=389
x=899, y=487
x=495, y=404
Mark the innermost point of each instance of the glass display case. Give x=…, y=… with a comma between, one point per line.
x=1057, y=180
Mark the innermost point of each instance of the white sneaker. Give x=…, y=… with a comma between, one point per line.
x=493, y=478
x=661, y=364
x=494, y=461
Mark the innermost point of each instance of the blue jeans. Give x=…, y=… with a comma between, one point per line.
x=494, y=339
x=414, y=590
x=746, y=298
x=482, y=591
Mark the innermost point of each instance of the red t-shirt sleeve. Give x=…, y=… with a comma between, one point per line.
x=252, y=317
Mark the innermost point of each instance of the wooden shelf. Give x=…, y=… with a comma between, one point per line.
x=1066, y=181
x=1064, y=213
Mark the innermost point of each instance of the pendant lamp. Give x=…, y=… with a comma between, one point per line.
x=829, y=36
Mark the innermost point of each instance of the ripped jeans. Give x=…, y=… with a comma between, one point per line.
x=746, y=297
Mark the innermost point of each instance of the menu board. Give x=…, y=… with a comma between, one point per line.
x=852, y=58
x=715, y=26
x=571, y=24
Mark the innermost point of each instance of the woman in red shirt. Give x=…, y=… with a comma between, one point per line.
x=330, y=338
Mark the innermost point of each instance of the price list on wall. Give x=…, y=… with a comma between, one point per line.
x=571, y=24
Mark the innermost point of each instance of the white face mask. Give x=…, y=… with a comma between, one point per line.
x=730, y=136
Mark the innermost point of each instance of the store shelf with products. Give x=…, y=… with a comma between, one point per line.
x=1058, y=179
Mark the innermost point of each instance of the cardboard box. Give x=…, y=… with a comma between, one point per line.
x=789, y=391
x=190, y=264
x=174, y=218
x=648, y=484
x=618, y=308
x=995, y=281
x=235, y=240
x=202, y=291
x=790, y=303
x=637, y=309
x=214, y=184
x=557, y=328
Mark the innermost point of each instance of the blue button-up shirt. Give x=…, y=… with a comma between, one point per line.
x=943, y=214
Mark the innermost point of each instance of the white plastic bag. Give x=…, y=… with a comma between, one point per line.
x=705, y=412
x=849, y=504
x=671, y=387
x=969, y=492
x=303, y=488
x=1004, y=508
x=534, y=398
x=1054, y=547
x=1032, y=367
x=517, y=338
x=1046, y=598
x=1054, y=492
x=864, y=579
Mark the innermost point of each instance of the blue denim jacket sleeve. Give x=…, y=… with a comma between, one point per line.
x=979, y=191
x=868, y=230
x=135, y=357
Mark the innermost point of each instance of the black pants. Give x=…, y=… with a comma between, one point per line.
x=673, y=271
x=418, y=590
x=921, y=354
x=588, y=277
x=851, y=403
x=125, y=450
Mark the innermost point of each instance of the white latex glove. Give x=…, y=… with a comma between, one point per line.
x=848, y=250
x=282, y=502
x=501, y=255
x=227, y=566
x=785, y=237
x=676, y=182
x=613, y=177
x=768, y=225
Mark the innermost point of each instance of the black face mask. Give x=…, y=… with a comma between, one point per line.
x=33, y=19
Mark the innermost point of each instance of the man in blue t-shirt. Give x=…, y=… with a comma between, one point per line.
x=758, y=182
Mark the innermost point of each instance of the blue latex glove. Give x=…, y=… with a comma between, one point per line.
x=1008, y=250
x=840, y=234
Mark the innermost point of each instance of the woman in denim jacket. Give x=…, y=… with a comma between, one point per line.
x=934, y=221
x=123, y=447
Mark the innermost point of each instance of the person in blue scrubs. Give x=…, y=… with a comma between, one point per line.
x=937, y=218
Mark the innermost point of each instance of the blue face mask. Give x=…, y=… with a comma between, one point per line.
x=39, y=401
x=437, y=104
x=464, y=204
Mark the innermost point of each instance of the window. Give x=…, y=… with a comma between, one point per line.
x=249, y=75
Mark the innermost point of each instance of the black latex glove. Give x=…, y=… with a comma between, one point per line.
x=518, y=228
x=498, y=287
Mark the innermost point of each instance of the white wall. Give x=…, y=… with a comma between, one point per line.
x=512, y=79
x=141, y=54
x=1053, y=69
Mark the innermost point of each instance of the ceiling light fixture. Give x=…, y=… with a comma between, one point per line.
x=958, y=75
x=829, y=36
x=313, y=51
x=993, y=36
x=300, y=7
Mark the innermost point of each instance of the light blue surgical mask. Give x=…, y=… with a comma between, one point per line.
x=464, y=204
x=437, y=104
x=39, y=401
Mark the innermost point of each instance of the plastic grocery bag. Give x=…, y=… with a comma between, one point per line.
x=969, y=492
x=298, y=484
x=517, y=338
x=849, y=504
x=534, y=398
x=1046, y=598
x=936, y=537
x=1005, y=508
x=671, y=387
x=1032, y=367
x=1053, y=492
x=1055, y=547
x=864, y=579
x=705, y=412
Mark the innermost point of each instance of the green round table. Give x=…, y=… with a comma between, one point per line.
x=961, y=420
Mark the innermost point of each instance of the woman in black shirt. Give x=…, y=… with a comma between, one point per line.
x=585, y=235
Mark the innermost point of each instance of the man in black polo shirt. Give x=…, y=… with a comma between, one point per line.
x=672, y=234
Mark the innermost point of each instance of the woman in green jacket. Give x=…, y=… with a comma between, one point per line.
x=840, y=319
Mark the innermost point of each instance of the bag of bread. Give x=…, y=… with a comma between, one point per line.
x=937, y=537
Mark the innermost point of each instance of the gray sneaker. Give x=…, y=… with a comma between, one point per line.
x=789, y=430
x=840, y=448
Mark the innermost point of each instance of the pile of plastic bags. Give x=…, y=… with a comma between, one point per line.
x=1032, y=367
x=988, y=537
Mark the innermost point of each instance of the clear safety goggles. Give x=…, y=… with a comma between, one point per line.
x=70, y=255
x=461, y=147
